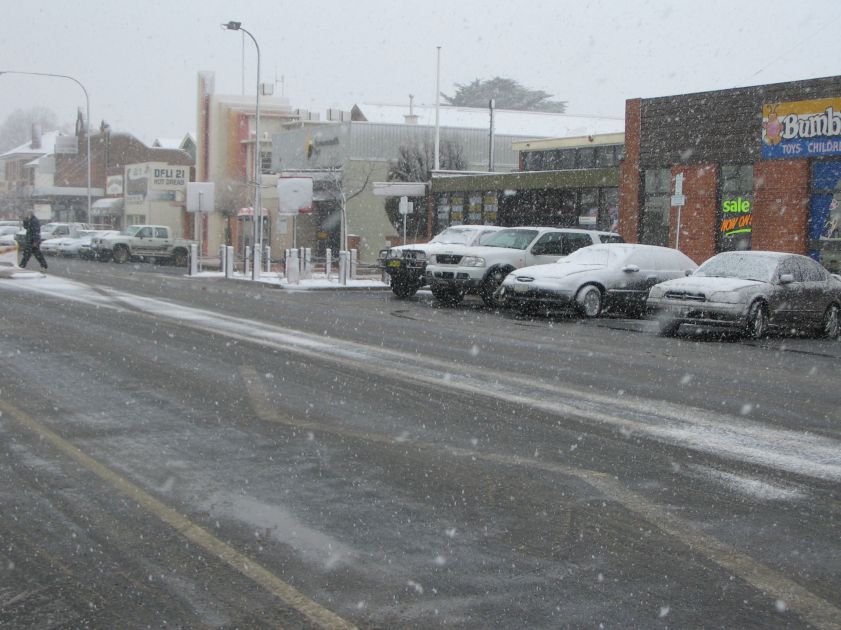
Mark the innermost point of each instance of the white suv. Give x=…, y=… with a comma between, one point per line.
x=452, y=272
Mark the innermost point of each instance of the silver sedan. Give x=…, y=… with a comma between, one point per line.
x=751, y=291
x=596, y=278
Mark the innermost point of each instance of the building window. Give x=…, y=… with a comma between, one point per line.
x=735, y=210
x=605, y=157
x=654, y=222
x=265, y=162
x=533, y=160
x=135, y=219
x=567, y=159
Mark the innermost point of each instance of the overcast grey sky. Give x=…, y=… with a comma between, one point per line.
x=139, y=60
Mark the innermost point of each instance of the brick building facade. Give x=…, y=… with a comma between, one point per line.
x=760, y=169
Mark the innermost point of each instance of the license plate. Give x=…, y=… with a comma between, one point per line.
x=394, y=263
x=521, y=288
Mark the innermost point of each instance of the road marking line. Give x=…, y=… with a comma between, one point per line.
x=814, y=609
x=253, y=570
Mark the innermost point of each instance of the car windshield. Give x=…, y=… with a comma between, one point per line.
x=596, y=256
x=131, y=230
x=742, y=266
x=454, y=236
x=514, y=238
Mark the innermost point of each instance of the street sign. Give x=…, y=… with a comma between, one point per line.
x=399, y=189
x=201, y=196
x=678, y=200
x=294, y=195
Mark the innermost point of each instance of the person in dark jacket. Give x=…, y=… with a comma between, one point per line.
x=32, y=241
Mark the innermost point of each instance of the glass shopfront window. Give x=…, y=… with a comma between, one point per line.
x=735, y=209
x=654, y=221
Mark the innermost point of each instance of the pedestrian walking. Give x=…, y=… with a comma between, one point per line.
x=32, y=241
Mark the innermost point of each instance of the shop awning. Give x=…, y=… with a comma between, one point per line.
x=108, y=205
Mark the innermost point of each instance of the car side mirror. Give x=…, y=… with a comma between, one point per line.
x=688, y=272
x=538, y=250
x=630, y=269
x=786, y=278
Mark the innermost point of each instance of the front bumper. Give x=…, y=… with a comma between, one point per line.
x=718, y=314
x=455, y=276
x=536, y=293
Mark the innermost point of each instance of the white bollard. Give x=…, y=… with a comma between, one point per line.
x=258, y=262
x=344, y=264
x=354, y=262
x=267, y=256
x=246, y=263
x=293, y=268
x=229, y=261
x=223, y=251
x=307, y=263
x=328, y=262
x=194, y=259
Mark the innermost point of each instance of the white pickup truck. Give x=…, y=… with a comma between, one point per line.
x=142, y=242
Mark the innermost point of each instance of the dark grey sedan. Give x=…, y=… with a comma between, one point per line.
x=752, y=291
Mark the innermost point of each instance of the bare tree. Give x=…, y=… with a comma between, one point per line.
x=414, y=164
x=17, y=128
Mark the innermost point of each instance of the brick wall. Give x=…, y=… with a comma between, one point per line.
x=781, y=205
x=629, y=175
x=698, y=216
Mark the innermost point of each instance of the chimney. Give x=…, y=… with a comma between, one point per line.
x=36, y=136
x=410, y=118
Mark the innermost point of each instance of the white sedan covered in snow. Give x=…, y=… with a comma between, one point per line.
x=596, y=278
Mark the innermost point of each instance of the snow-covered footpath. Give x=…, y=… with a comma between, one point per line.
x=733, y=437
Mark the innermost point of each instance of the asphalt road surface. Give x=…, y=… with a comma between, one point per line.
x=192, y=453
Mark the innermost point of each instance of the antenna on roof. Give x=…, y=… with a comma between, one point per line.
x=282, y=81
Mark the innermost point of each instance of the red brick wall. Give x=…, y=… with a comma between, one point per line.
x=698, y=216
x=629, y=175
x=781, y=205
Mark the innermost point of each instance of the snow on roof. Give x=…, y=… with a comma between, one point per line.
x=167, y=143
x=47, y=147
x=506, y=121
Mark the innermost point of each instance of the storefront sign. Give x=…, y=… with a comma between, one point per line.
x=736, y=223
x=801, y=129
x=114, y=185
x=168, y=177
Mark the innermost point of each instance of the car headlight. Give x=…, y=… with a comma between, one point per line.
x=473, y=261
x=727, y=297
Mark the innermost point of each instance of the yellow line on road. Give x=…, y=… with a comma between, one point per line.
x=817, y=611
x=316, y=613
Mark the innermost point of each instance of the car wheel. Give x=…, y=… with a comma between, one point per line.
x=831, y=327
x=403, y=289
x=589, y=300
x=492, y=282
x=120, y=255
x=179, y=258
x=447, y=296
x=668, y=327
x=757, y=322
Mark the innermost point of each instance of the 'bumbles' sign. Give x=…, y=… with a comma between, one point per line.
x=801, y=129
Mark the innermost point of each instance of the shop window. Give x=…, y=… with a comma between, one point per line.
x=567, y=159
x=735, y=211
x=586, y=157
x=588, y=208
x=654, y=222
x=605, y=157
x=533, y=160
x=609, y=210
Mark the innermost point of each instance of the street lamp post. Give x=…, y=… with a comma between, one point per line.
x=258, y=205
x=87, y=121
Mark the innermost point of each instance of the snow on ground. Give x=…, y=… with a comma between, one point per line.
x=318, y=281
x=723, y=435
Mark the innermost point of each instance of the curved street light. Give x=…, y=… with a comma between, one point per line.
x=87, y=121
x=258, y=204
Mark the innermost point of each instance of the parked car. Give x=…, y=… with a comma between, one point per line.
x=7, y=234
x=455, y=270
x=406, y=264
x=751, y=291
x=596, y=278
x=143, y=242
x=86, y=251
